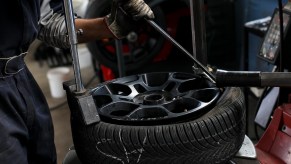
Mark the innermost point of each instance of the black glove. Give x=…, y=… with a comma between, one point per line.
x=124, y=14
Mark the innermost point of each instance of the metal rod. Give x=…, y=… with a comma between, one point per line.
x=166, y=35
x=193, y=29
x=198, y=30
x=70, y=22
x=120, y=58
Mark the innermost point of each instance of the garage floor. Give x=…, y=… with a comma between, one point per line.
x=59, y=108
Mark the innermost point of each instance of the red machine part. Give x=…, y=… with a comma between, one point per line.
x=172, y=20
x=274, y=147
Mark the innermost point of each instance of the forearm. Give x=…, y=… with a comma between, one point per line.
x=93, y=29
x=115, y=25
x=52, y=26
x=54, y=32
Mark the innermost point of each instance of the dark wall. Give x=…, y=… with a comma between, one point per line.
x=220, y=35
x=220, y=27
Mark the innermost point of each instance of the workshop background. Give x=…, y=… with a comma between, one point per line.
x=225, y=21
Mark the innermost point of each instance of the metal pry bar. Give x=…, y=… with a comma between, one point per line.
x=70, y=22
x=166, y=35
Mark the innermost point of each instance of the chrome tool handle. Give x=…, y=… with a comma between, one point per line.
x=70, y=22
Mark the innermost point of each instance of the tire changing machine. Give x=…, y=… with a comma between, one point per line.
x=79, y=97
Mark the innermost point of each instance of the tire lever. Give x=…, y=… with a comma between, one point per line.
x=208, y=74
x=70, y=22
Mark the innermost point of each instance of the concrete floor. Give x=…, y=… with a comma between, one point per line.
x=59, y=108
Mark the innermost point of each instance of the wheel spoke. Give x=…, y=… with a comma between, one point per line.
x=179, y=83
x=182, y=105
x=119, y=110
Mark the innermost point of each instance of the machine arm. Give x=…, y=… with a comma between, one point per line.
x=253, y=78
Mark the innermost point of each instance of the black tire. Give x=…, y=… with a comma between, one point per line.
x=213, y=137
x=143, y=51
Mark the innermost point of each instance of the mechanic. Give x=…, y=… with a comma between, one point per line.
x=26, y=130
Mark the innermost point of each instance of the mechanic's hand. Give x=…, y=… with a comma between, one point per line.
x=124, y=14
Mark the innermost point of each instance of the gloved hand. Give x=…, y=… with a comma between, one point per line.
x=124, y=14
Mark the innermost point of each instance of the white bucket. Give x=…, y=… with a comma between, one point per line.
x=85, y=59
x=56, y=77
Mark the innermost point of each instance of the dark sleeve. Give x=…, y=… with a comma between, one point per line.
x=52, y=24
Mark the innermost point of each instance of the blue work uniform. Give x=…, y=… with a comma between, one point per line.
x=26, y=130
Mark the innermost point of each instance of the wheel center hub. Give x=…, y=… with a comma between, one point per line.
x=152, y=98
